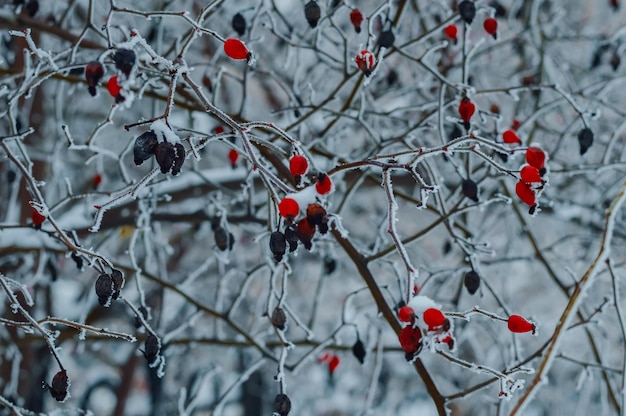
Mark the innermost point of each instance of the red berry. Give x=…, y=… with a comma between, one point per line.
x=233, y=156
x=530, y=174
x=298, y=165
x=356, y=18
x=509, y=136
x=366, y=61
x=324, y=185
x=236, y=49
x=333, y=363
x=305, y=231
x=451, y=31
x=526, y=194
x=406, y=314
x=93, y=72
x=218, y=130
x=466, y=111
x=97, y=180
x=410, y=339
x=536, y=157
x=113, y=87
x=491, y=26
x=515, y=124
x=434, y=318
x=518, y=324
x=37, y=218
x=288, y=208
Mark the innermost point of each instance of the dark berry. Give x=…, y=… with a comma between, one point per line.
x=165, y=154
x=117, y=278
x=470, y=189
x=278, y=245
x=145, y=146
x=312, y=12
x=124, y=60
x=279, y=319
x=386, y=39
x=32, y=7
x=223, y=239
x=471, y=281
x=179, y=159
x=94, y=71
x=292, y=237
x=104, y=289
x=152, y=348
x=358, y=350
x=467, y=10
x=282, y=404
x=239, y=24
x=585, y=139
x=60, y=385
x=78, y=260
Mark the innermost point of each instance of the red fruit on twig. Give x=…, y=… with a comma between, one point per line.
x=466, y=111
x=37, y=218
x=93, y=73
x=356, y=18
x=324, y=185
x=233, y=156
x=510, y=137
x=434, y=318
x=96, y=180
x=530, y=174
x=365, y=61
x=288, y=208
x=411, y=341
x=491, y=27
x=519, y=324
x=298, y=165
x=236, y=49
x=451, y=31
x=536, y=157
x=115, y=89
x=526, y=194
x=406, y=314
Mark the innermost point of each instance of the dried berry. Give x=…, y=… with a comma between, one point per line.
x=94, y=71
x=236, y=49
x=330, y=265
x=282, y=404
x=316, y=214
x=471, y=281
x=278, y=245
x=145, y=146
x=305, y=232
x=179, y=159
x=491, y=27
x=117, y=278
x=239, y=24
x=224, y=240
x=365, y=61
x=510, y=137
x=60, y=386
x=518, y=324
x=165, y=155
x=356, y=18
x=32, y=7
x=358, y=350
x=78, y=260
x=279, y=319
x=406, y=314
x=467, y=10
x=298, y=165
x=288, y=208
x=312, y=12
x=386, y=39
x=452, y=32
x=104, y=289
x=233, y=156
x=470, y=189
x=585, y=140
x=434, y=318
x=324, y=185
x=292, y=237
x=530, y=174
x=152, y=349
x=124, y=60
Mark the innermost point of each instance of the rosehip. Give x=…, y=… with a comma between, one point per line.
x=305, y=232
x=530, y=174
x=467, y=10
x=471, y=281
x=288, y=208
x=491, y=26
x=451, y=31
x=470, y=189
x=37, y=218
x=365, y=61
x=298, y=165
x=536, y=157
x=324, y=185
x=585, y=140
x=236, y=49
x=356, y=18
x=466, y=111
x=239, y=24
x=233, y=156
x=94, y=71
x=113, y=87
x=510, y=137
x=124, y=60
x=526, y=194
x=406, y=314
x=386, y=39
x=312, y=12
x=434, y=318
x=518, y=324
x=410, y=341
